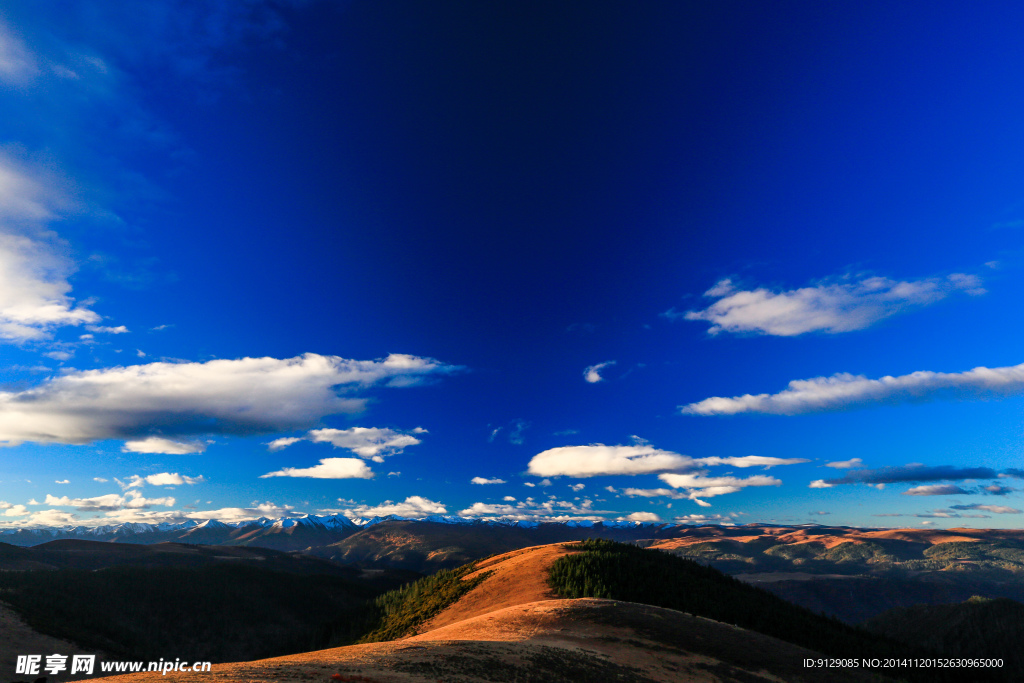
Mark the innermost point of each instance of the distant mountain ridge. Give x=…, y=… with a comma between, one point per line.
x=286, y=533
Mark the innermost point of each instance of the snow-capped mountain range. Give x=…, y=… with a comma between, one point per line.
x=301, y=531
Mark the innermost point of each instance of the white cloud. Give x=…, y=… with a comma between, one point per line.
x=530, y=509
x=577, y=487
x=156, y=444
x=34, y=288
x=482, y=481
x=161, y=479
x=724, y=520
x=997, y=509
x=284, y=442
x=846, y=464
x=820, y=484
x=111, y=501
x=509, y=499
x=653, y=493
x=17, y=63
x=699, y=487
x=830, y=306
x=15, y=510
x=228, y=515
x=750, y=461
x=366, y=442
x=329, y=468
x=100, y=479
x=844, y=390
x=641, y=517
x=120, y=329
x=598, y=459
x=244, y=396
x=413, y=506
x=62, y=481
x=936, y=490
x=592, y=373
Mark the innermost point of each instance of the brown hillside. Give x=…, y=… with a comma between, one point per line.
x=508, y=629
x=547, y=642
x=519, y=577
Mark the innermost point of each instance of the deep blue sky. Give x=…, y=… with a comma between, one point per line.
x=691, y=200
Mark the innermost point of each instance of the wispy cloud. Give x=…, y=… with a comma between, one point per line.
x=483, y=481
x=592, y=374
x=699, y=487
x=843, y=391
x=917, y=473
x=244, y=396
x=750, y=461
x=936, y=490
x=841, y=305
x=111, y=501
x=34, y=289
x=995, y=509
x=845, y=464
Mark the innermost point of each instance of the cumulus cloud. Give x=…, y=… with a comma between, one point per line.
x=243, y=396
x=366, y=442
x=329, y=468
x=413, y=506
x=641, y=517
x=598, y=459
x=120, y=329
x=842, y=305
x=482, y=481
x=592, y=373
x=15, y=510
x=936, y=490
x=843, y=391
x=156, y=444
x=699, y=487
x=257, y=509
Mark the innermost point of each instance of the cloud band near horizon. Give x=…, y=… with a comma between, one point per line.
x=843, y=391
